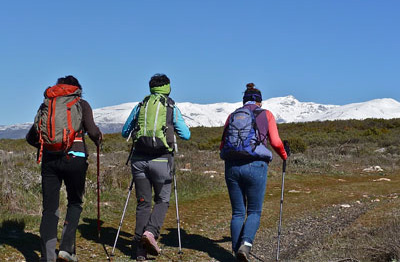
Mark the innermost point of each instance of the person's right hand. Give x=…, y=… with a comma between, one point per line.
x=100, y=140
x=286, y=146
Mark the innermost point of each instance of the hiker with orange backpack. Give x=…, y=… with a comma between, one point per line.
x=59, y=134
x=244, y=148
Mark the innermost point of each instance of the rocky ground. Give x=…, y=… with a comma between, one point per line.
x=303, y=234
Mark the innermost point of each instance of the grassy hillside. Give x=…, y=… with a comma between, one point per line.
x=328, y=168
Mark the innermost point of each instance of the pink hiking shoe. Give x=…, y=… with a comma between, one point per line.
x=150, y=243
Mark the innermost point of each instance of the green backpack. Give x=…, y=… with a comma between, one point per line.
x=155, y=130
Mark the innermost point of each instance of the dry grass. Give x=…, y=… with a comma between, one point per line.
x=318, y=181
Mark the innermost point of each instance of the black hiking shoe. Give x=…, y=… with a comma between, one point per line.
x=141, y=253
x=243, y=254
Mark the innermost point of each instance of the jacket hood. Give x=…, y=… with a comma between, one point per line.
x=62, y=90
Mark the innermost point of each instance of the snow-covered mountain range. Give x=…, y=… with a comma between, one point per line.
x=285, y=109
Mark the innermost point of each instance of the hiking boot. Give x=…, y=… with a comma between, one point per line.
x=64, y=256
x=150, y=244
x=141, y=258
x=243, y=254
x=141, y=253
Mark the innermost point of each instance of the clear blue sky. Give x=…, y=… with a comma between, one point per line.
x=324, y=51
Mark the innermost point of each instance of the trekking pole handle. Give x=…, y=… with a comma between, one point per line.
x=284, y=166
x=287, y=149
x=175, y=144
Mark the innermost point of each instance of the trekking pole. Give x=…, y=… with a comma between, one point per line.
x=176, y=202
x=280, y=211
x=177, y=216
x=287, y=149
x=98, y=192
x=122, y=218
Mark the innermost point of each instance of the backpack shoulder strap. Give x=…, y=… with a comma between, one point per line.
x=145, y=100
x=258, y=111
x=255, y=113
x=170, y=102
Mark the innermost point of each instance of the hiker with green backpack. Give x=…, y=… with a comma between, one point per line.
x=152, y=125
x=59, y=134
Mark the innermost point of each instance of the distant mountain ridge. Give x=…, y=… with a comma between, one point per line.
x=285, y=109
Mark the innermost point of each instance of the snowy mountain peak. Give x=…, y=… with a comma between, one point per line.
x=385, y=108
x=285, y=109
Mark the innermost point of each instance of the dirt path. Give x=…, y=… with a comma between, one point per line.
x=297, y=237
x=205, y=226
x=302, y=234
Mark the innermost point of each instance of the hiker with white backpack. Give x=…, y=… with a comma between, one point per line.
x=152, y=125
x=244, y=148
x=59, y=134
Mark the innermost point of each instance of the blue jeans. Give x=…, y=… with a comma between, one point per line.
x=246, y=183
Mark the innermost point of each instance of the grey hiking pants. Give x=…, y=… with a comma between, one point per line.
x=149, y=174
x=55, y=169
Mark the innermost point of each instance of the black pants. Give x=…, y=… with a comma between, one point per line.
x=55, y=169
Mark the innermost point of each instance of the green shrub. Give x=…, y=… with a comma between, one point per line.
x=297, y=145
x=211, y=144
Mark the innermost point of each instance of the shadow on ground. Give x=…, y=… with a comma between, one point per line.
x=199, y=243
x=88, y=230
x=12, y=234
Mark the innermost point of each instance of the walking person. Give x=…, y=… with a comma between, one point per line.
x=59, y=134
x=152, y=124
x=244, y=149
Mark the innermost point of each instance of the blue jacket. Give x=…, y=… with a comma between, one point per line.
x=179, y=124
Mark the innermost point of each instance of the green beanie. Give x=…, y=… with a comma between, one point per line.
x=164, y=90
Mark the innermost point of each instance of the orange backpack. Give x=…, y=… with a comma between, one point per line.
x=59, y=118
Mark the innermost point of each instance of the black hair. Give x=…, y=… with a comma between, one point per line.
x=69, y=80
x=158, y=80
x=252, y=94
